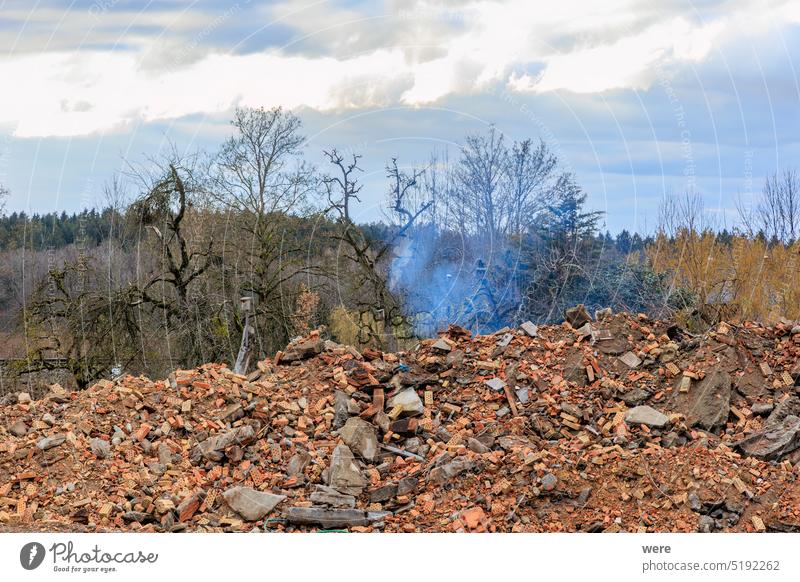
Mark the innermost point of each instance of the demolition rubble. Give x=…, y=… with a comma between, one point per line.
x=612, y=423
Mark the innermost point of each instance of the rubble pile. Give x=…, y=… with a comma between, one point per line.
x=604, y=424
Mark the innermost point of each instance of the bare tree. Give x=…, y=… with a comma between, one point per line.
x=380, y=313
x=529, y=179
x=71, y=324
x=480, y=174
x=436, y=184
x=684, y=212
x=776, y=214
x=3, y=197
x=258, y=169
x=163, y=210
x=166, y=211
x=500, y=191
x=406, y=206
x=342, y=188
x=495, y=202
x=687, y=244
x=260, y=177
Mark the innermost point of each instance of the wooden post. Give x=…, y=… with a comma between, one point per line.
x=243, y=358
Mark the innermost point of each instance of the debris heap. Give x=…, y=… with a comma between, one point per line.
x=612, y=423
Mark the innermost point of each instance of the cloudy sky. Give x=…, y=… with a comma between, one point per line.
x=640, y=98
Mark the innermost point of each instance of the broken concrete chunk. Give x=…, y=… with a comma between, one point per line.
x=297, y=464
x=444, y=473
x=635, y=397
x=251, y=504
x=303, y=350
x=600, y=314
x=353, y=407
x=138, y=516
x=610, y=344
x=787, y=407
x=530, y=328
x=630, y=359
x=408, y=401
x=549, y=482
x=384, y=493
x=163, y=505
x=780, y=435
x=776, y=442
x=341, y=403
x=752, y=384
x=18, y=429
x=762, y=409
x=454, y=358
x=575, y=368
x=505, y=340
x=709, y=402
x=496, y=384
x=233, y=412
x=509, y=443
x=51, y=441
x=100, y=448
x=571, y=409
x=477, y=446
x=213, y=447
x=361, y=437
x=586, y=330
x=647, y=416
x=382, y=421
x=442, y=345
x=407, y=485
x=329, y=496
x=58, y=398
x=164, y=454
x=414, y=379
x=344, y=474
x=577, y=316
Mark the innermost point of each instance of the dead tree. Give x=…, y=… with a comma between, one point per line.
x=163, y=210
x=73, y=324
x=173, y=289
x=776, y=214
x=400, y=186
x=380, y=314
x=3, y=197
x=259, y=177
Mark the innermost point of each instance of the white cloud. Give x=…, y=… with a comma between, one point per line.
x=625, y=64
x=430, y=50
x=63, y=94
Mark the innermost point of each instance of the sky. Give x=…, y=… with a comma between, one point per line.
x=641, y=99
